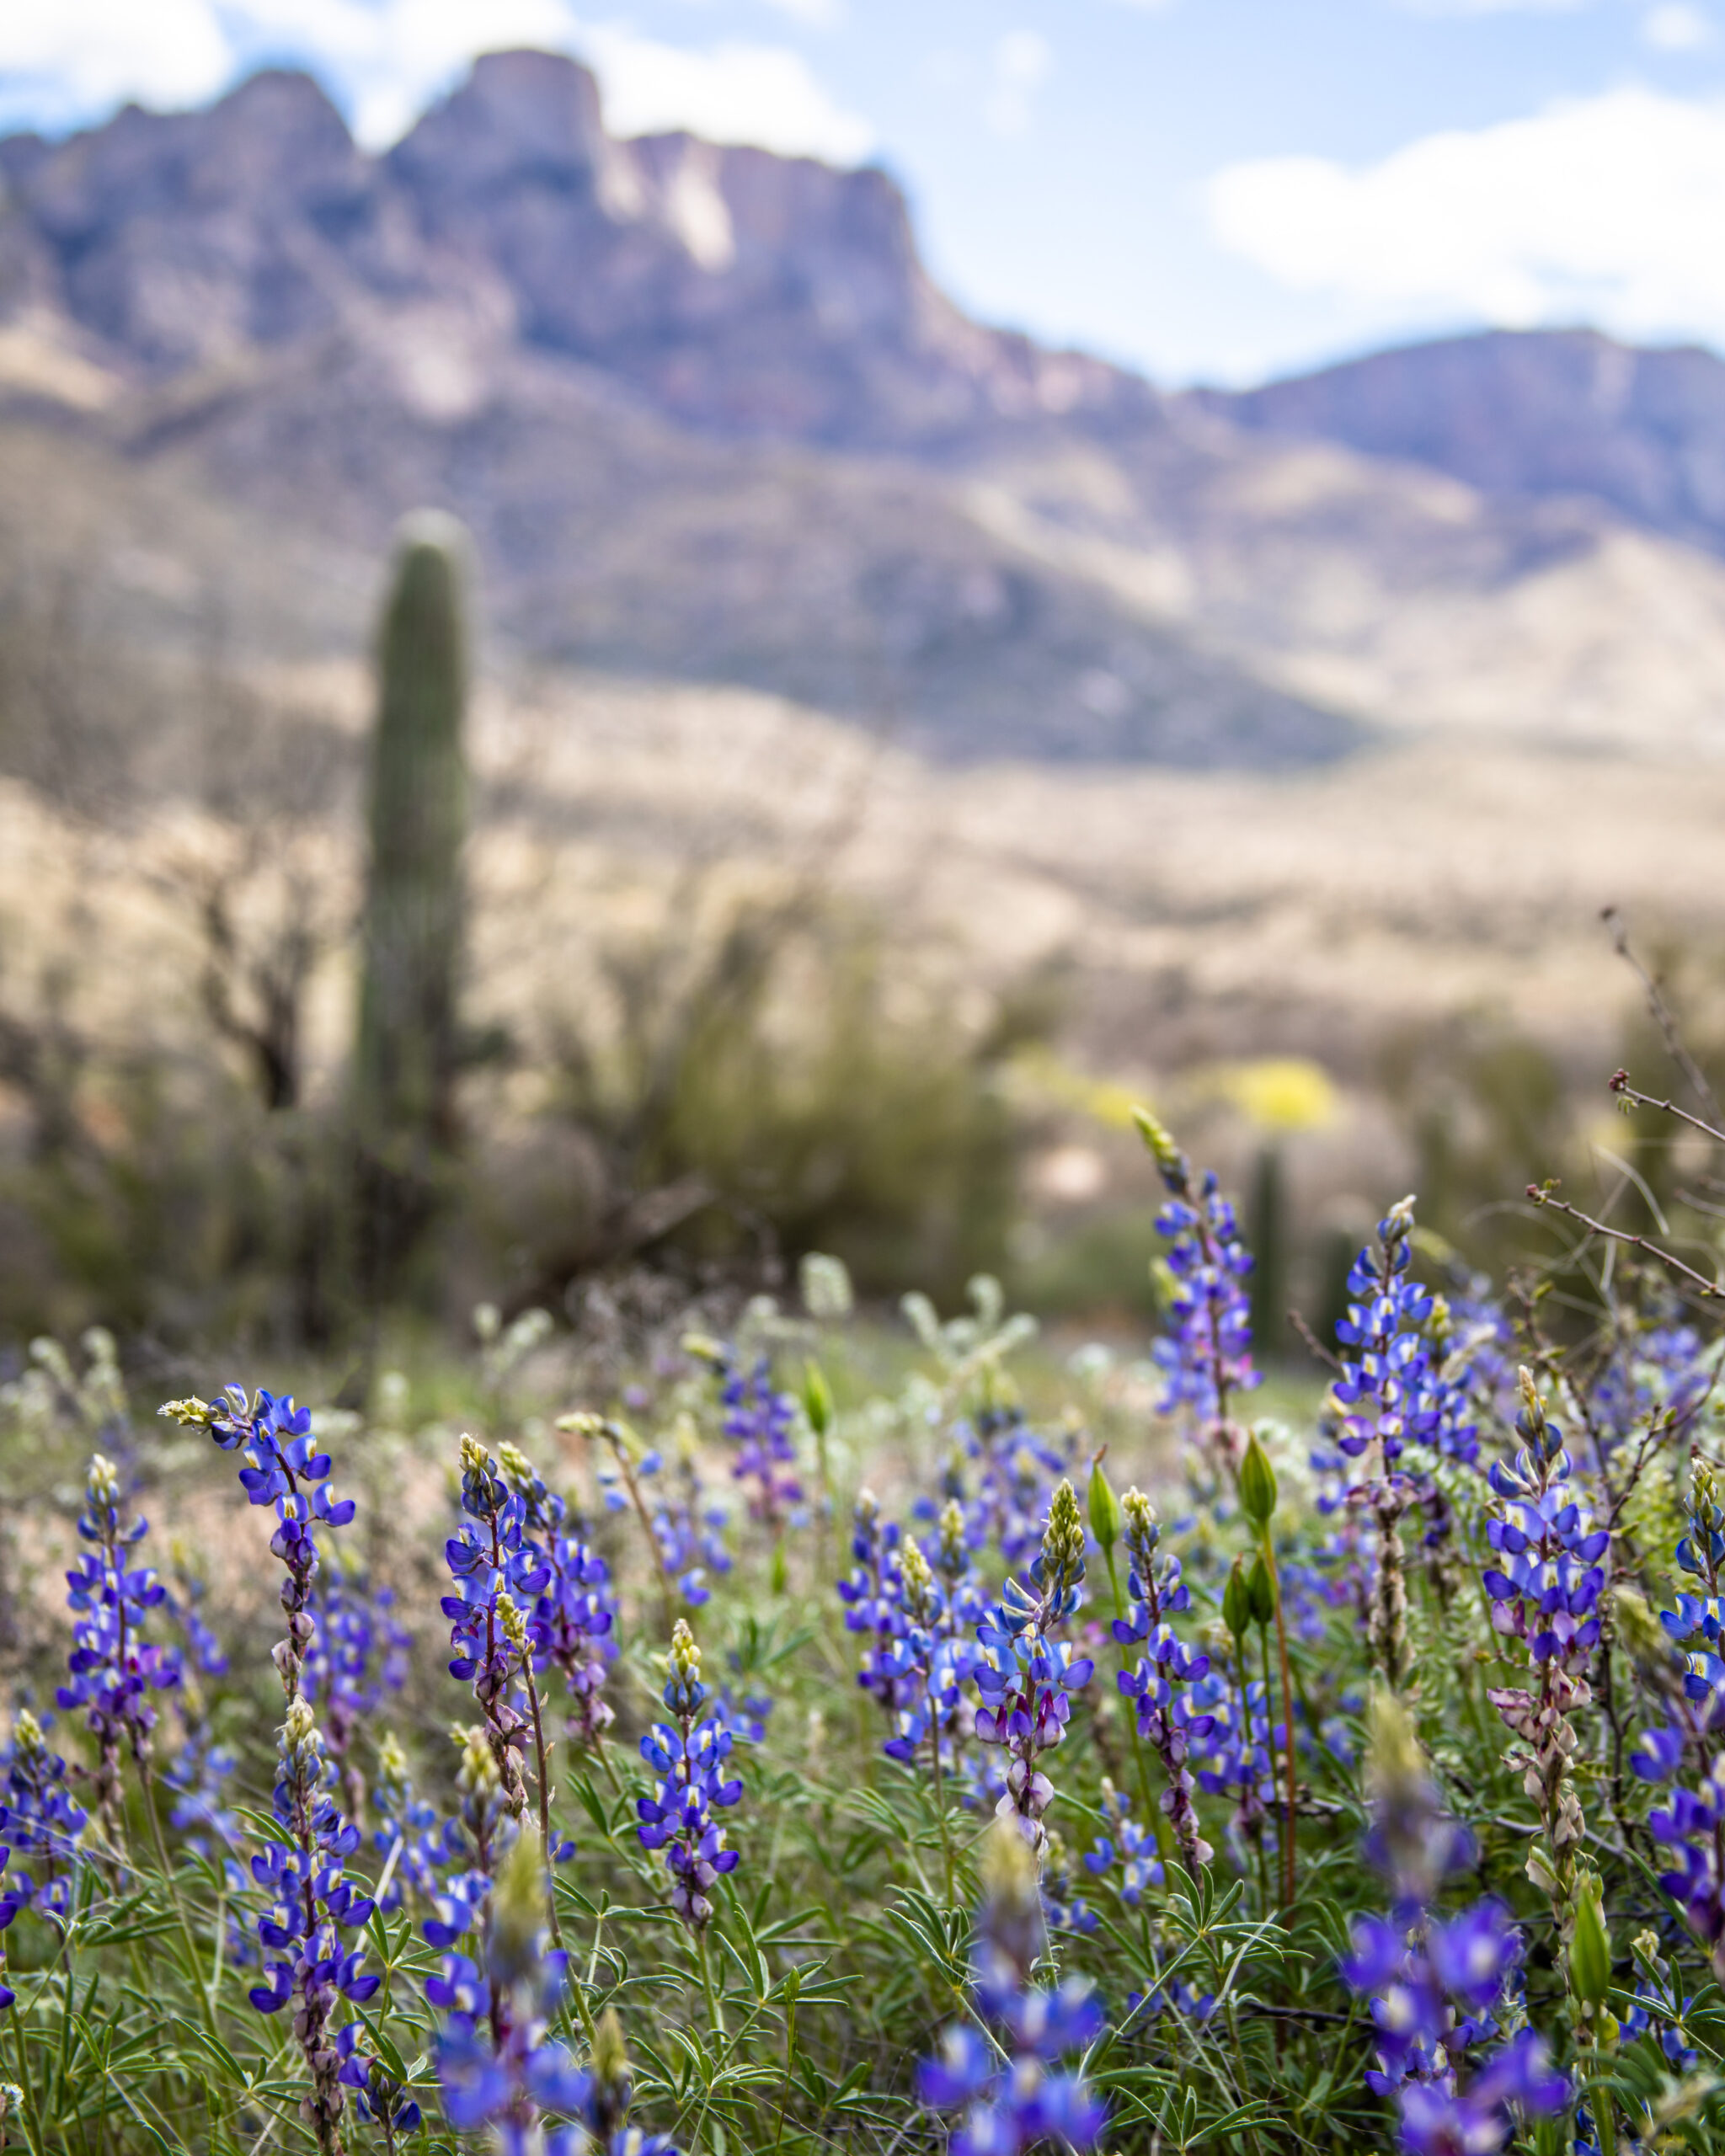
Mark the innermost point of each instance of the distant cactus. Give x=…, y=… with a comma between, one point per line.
x=408, y=1050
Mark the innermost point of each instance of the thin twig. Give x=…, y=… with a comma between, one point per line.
x=1663, y=1016
x=1619, y=1084
x=1314, y=1345
x=1541, y=1194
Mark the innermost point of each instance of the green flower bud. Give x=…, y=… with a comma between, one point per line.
x=1063, y=1538
x=1257, y=1485
x=517, y=1912
x=1262, y=1591
x=817, y=1399
x=1107, y=1522
x=1167, y=1155
x=1237, y=1602
x=1589, y=1947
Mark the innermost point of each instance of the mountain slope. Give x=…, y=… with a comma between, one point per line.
x=1524, y=415
x=711, y=422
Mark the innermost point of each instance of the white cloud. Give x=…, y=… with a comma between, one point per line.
x=1607, y=210
x=761, y=94
x=1676, y=27
x=74, y=58
x=78, y=54
x=1021, y=63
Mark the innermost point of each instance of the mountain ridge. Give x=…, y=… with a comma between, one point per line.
x=711, y=421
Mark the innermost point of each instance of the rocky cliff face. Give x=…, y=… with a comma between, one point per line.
x=728, y=288
x=1524, y=414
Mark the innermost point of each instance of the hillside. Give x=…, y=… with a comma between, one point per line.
x=711, y=422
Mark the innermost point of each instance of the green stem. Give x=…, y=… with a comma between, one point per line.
x=940, y=1805
x=714, y=2014
x=1269, y=1559
x=541, y=1750
x=24, y=2083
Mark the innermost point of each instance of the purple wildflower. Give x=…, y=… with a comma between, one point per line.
x=1014, y=2096
x=114, y=1669
x=1026, y=1675
x=309, y=1904
x=689, y=1759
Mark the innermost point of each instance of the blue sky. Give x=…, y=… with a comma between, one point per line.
x=1217, y=189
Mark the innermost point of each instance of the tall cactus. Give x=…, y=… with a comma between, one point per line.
x=408, y=1048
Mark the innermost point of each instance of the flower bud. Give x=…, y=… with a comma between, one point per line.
x=1237, y=1602
x=1589, y=1947
x=817, y=1399
x=1107, y=1522
x=1167, y=1155
x=1257, y=1483
x=1263, y=1592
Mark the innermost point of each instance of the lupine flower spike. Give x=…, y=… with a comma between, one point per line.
x=114, y=1669
x=688, y=1755
x=1159, y=1683
x=309, y=1905
x=282, y=1468
x=1436, y=1986
x=1028, y=1674
x=1011, y=2092
x=1545, y=1596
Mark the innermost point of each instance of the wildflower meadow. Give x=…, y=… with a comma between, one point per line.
x=800, y=1750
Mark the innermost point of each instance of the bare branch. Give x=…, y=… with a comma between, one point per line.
x=1619, y=1085
x=1542, y=1194
x=1662, y=1015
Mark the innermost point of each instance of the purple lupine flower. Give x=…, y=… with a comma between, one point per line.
x=1437, y=1985
x=114, y=1669
x=309, y=1904
x=1697, y=1621
x=1207, y=1357
x=1016, y=1473
x=498, y=2066
x=283, y=1469
x=378, y=2096
x=571, y=1630
x=1691, y=1828
x=689, y=1759
x=1124, y=1842
x=1546, y=1595
x=492, y=1561
x=1386, y=1359
x=1013, y=2094
x=926, y=1665
x=1389, y=1400
x=40, y=1820
x=760, y=1421
x=1026, y=1675
x=1237, y=1751
x=358, y=1652
x=1159, y=1683
x=417, y=1845
x=873, y=1593
x=687, y=1525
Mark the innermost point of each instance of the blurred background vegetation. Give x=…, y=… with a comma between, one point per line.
x=334, y=1128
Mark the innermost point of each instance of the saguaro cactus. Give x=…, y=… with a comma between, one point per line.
x=408, y=1046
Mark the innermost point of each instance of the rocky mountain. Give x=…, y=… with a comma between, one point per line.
x=711, y=422
x=730, y=288
x=1525, y=415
